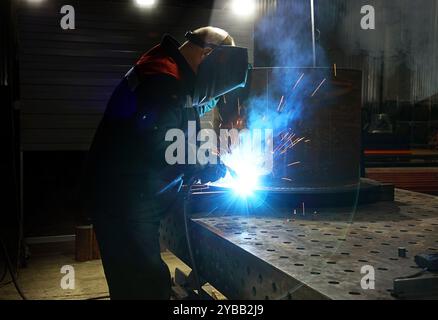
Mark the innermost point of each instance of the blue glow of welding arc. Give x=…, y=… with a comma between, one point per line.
x=247, y=176
x=244, y=184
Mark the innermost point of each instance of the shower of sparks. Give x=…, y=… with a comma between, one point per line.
x=284, y=99
x=247, y=163
x=288, y=141
x=296, y=141
x=320, y=85
x=248, y=166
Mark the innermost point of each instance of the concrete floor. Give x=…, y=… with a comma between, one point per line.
x=40, y=280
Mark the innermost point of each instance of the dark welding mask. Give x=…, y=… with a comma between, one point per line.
x=224, y=70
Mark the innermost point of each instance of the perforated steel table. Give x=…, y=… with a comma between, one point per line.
x=318, y=255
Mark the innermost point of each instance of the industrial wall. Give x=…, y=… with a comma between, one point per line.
x=67, y=76
x=398, y=59
x=402, y=51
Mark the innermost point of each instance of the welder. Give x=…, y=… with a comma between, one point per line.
x=130, y=186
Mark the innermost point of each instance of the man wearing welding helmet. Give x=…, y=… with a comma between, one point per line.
x=130, y=185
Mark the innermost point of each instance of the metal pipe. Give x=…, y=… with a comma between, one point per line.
x=312, y=14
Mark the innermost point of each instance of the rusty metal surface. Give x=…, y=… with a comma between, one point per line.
x=317, y=255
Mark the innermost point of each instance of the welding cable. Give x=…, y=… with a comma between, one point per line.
x=4, y=272
x=187, y=199
x=11, y=270
x=5, y=284
x=98, y=298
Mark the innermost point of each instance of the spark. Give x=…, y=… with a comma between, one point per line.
x=289, y=144
x=283, y=131
x=220, y=116
x=285, y=136
x=287, y=179
x=294, y=164
x=304, y=209
x=282, y=146
x=299, y=80
x=335, y=69
x=320, y=85
x=280, y=105
x=297, y=141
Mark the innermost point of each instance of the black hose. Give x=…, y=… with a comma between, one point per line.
x=11, y=271
x=98, y=298
x=4, y=272
x=189, y=245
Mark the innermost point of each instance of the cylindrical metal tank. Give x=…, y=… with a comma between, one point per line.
x=316, y=117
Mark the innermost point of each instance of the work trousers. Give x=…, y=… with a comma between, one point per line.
x=131, y=258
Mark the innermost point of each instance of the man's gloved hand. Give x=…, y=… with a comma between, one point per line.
x=202, y=110
x=212, y=173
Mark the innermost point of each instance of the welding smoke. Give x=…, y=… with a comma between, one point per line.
x=284, y=42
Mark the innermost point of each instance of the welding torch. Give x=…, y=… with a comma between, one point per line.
x=177, y=183
x=232, y=172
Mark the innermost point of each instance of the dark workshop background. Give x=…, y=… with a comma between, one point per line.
x=67, y=76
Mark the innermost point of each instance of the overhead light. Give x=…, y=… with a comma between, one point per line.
x=243, y=7
x=145, y=3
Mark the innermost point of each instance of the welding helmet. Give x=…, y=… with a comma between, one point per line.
x=224, y=70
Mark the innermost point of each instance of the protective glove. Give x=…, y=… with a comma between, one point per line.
x=211, y=173
x=202, y=110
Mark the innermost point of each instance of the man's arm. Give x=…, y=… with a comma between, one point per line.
x=161, y=107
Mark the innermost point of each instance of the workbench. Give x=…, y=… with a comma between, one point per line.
x=311, y=255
